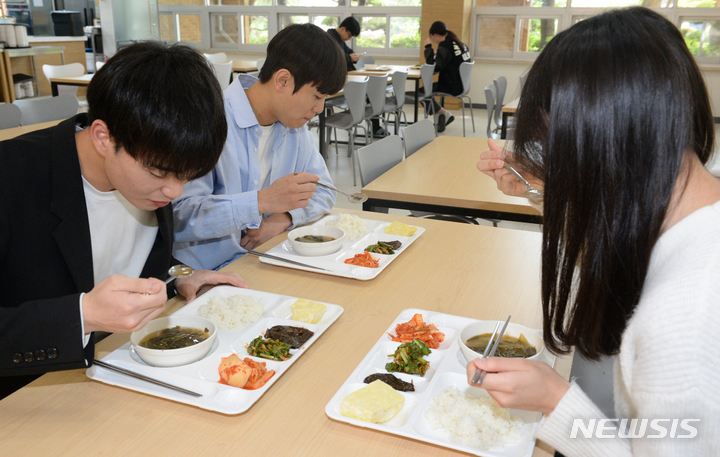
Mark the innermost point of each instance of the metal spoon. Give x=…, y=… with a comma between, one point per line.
x=179, y=271
x=358, y=197
x=531, y=191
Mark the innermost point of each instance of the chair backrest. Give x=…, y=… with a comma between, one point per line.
x=223, y=71
x=59, y=71
x=10, y=116
x=216, y=58
x=378, y=157
x=426, y=76
x=418, y=135
x=500, y=84
x=399, y=78
x=99, y=65
x=490, y=100
x=466, y=75
x=363, y=60
x=259, y=64
x=37, y=110
x=376, y=93
x=523, y=78
x=355, y=92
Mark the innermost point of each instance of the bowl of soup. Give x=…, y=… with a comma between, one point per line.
x=316, y=240
x=518, y=341
x=174, y=340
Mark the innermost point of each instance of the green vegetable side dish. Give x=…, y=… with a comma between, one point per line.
x=387, y=248
x=269, y=349
x=408, y=358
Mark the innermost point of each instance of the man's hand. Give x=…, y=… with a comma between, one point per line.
x=189, y=286
x=354, y=57
x=287, y=193
x=269, y=227
x=120, y=304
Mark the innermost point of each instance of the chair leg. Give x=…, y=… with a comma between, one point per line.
x=351, y=153
x=472, y=117
x=463, y=114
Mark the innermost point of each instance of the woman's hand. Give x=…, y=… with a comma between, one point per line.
x=492, y=163
x=521, y=384
x=188, y=287
x=427, y=42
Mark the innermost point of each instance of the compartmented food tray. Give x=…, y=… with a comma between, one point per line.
x=202, y=376
x=447, y=368
x=334, y=264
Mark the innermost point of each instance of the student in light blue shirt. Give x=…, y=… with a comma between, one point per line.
x=264, y=181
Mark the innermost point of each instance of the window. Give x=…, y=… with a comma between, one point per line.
x=389, y=27
x=520, y=29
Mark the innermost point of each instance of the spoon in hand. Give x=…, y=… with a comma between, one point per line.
x=531, y=191
x=358, y=197
x=179, y=271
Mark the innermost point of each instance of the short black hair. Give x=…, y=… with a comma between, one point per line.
x=163, y=105
x=351, y=25
x=311, y=56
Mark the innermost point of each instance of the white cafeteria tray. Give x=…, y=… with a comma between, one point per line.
x=202, y=376
x=335, y=263
x=447, y=368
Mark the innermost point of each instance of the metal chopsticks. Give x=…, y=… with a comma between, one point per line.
x=270, y=256
x=480, y=374
x=144, y=378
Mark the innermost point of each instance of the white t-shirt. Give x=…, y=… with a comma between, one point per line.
x=264, y=154
x=121, y=234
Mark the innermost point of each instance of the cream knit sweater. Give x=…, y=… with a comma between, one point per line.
x=669, y=361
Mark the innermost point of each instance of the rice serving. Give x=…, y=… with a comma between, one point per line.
x=232, y=313
x=353, y=226
x=472, y=421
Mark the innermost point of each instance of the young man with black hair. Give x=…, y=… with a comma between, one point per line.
x=349, y=27
x=85, y=218
x=263, y=182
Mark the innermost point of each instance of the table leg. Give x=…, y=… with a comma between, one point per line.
x=54, y=87
x=417, y=91
x=503, y=129
x=321, y=133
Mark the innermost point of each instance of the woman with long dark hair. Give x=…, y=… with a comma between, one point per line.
x=615, y=121
x=451, y=52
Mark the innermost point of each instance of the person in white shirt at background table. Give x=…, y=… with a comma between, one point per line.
x=615, y=121
x=263, y=182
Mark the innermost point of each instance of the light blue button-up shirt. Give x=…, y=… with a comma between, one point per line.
x=215, y=209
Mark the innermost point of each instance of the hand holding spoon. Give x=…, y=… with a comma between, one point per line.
x=358, y=197
x=531, y=192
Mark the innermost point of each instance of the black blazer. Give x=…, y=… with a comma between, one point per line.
x=46, y=254
x=345, y=48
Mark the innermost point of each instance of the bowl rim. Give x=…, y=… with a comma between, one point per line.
x=523, y=329
x=296, y=230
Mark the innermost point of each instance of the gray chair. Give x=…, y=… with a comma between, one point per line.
x=466, y=76
x=500, y=85
x=223, y=71
x=352, y=118
x=376, y=95
x=394, y=106
x=417, y=135
x=217, y=57
x=363, y=60
x=377, y=158
x=10, y=116
x=37, y=110
x=491, y=107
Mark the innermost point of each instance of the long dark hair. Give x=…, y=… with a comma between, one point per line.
x=438, y=28
x=608, y=110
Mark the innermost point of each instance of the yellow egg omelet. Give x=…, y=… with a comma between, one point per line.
x=398, y=228
x=307, y=311
x=377, y=403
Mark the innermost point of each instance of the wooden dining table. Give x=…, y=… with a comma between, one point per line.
x=442, y=177
x=6, y=134
x=81, y=81
x=457, y=269
x=244, y=66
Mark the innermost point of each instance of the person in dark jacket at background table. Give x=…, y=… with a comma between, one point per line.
x=86, y=225
x=451, y=52
x=349, y=28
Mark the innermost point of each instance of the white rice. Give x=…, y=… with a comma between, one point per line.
x=353, y=226
x=232, y=313
x=472, y=421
